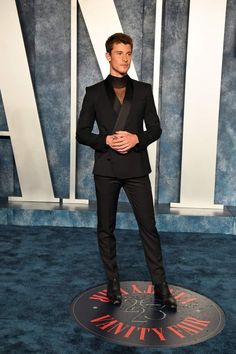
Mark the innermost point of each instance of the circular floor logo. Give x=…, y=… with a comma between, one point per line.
x=142, y=321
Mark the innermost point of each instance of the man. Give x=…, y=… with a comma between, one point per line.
x=120, y=105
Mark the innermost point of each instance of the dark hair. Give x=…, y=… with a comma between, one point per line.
x=118, y=38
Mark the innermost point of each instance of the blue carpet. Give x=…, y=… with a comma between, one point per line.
x=44, y=268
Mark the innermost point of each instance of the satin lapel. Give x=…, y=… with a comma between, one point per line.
x=129, y=91
x=108, y=104
x=125, y=108
x=110, y=92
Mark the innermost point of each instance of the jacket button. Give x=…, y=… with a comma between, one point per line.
x=108, y=159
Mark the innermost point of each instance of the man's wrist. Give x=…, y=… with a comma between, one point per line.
x=109, y=140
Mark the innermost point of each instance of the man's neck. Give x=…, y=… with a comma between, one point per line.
x=117, y=74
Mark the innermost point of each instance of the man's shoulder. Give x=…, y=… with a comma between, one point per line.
x=95, y=86
x=141, y=84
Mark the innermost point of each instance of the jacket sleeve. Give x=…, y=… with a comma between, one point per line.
x=152, y=122
x=85, y=124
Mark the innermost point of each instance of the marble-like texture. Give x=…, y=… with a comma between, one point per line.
x=3, y=216
x=6, y=168
x=232, y=210
x=46, y=31
x=167, y=220
x=223, y=225
x=88, y=73
x=225, y=192
x=63, y=218
x=149, y=12
x=131, y=17
x=172, y=98
x=52, y=77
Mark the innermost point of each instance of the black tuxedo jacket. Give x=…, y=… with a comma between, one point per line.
x=98, y=107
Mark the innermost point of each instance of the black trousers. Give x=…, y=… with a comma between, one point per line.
x=138, y=191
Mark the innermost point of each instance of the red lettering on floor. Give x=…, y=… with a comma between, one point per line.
x=128, y=333
x=101, y=318
x=143, y=331
x=159, y=333
x=176, y=331
x=194, y=320
x=149, y=289
x=136, y=289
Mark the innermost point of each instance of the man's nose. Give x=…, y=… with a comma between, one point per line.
x=125, y=57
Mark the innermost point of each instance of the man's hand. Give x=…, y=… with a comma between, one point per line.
x=122, y=141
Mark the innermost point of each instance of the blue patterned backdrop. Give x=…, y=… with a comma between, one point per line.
x=46, y=32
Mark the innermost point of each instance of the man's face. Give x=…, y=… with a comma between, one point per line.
x=119, y=59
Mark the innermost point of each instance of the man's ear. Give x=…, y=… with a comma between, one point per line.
x=108, y=56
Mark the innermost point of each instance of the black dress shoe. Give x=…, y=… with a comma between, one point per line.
x=113, y=291
x=162, y=293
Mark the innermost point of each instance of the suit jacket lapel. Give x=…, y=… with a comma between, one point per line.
x=114, y=102
x=110, y=92
x=129, y=91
